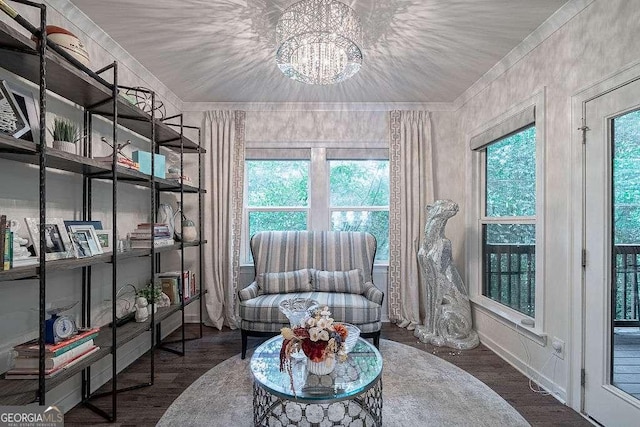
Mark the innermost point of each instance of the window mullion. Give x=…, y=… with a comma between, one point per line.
x=319, y=190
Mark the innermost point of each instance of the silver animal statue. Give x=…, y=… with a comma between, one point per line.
x=446, y=302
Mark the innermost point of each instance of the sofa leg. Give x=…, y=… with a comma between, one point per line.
x=244, y=343
x=376, y=340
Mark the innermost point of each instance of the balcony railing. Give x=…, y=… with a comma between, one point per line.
x=625, y=292
x=509, y=276
x=510, y=279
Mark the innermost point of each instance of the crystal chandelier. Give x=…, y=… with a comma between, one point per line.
x=319, y=42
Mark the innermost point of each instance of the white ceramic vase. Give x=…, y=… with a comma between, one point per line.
x=321, y=368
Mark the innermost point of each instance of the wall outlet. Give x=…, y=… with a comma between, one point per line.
x=558, y=347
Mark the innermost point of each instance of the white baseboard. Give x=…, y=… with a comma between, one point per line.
x=557, y=391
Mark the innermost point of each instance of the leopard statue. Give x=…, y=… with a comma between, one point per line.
x=446, y=301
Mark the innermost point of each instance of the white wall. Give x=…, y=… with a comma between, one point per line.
x=598, y=41
x=19, y=199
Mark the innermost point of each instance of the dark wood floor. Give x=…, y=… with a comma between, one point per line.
x=145, y=406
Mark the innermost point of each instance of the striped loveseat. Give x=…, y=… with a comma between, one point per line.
x=331, y=267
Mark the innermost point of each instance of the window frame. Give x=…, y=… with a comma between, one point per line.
x=508, y=123
x=319, y=207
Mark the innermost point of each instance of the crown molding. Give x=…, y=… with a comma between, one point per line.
x=317, y=106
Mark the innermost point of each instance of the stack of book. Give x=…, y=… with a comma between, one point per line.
x=176, y=284
x=141, y=237
x=58, y=357
x=121, y=161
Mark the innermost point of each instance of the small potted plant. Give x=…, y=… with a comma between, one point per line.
x=150, y=293
x=65, y=135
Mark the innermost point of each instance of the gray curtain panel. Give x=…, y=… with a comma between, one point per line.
x=224, y=133
x=411, y=169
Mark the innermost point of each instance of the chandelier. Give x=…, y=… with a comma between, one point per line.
x=319, y=42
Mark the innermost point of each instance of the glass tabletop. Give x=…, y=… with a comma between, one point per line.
x=355, y=375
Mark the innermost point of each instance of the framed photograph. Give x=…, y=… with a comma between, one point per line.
x=57, y=241
x=80, y=244
x=12, y=121
x=28, y=103
x=87, y=238
x=105, y=240
x=97, y=225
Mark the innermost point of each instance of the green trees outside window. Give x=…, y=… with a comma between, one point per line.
x=280, y=196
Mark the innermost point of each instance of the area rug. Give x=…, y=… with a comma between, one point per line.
x=419, y=389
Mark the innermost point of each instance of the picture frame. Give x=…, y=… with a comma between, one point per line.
x=57, y=239
x=12, y=120
x=28, y=103
x=105, y=238
x=80, y=244
x=97, y=225
x=87, y=239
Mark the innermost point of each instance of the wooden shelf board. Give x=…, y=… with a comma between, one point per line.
x=23, y=392
x=196, y=297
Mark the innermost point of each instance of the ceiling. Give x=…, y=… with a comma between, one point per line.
x=223, y=50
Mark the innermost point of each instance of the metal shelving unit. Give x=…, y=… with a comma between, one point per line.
x=40, y=63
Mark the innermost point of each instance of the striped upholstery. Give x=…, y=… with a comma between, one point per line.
x=372, y=293
x=338, y=281
x=275, y=251
x=249, y=292
x=275, y=327
x=328, y=251
x=348, y=308
x=284, y=282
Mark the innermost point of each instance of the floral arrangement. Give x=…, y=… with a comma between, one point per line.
x=317, y=336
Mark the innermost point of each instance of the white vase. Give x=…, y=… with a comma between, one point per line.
x=321, y=368
x=69, y=147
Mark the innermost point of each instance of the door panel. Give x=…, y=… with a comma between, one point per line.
x=612, y=235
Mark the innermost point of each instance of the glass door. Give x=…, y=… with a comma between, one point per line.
x=612, y=243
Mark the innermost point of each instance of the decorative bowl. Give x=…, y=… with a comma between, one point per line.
x=297, y=309
x=69, y=42
x=352, y=337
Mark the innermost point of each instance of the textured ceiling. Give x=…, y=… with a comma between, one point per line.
x=223, y=50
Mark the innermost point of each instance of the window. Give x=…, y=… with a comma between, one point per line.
x=277, y=195
x=359, y=193
x=508, y=223
x=506, y=242
x=331, y=190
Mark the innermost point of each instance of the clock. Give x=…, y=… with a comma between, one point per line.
x=59, y=327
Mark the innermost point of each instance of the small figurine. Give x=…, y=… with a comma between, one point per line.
x=142, y=312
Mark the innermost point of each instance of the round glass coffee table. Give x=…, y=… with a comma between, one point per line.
x=350, y=395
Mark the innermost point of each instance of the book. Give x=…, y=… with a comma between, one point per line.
x=158, y=243
x=31, y=348
x=52, y=362
x=8, y=250
x=169, y=286
x=3, y=231
x=31, y=374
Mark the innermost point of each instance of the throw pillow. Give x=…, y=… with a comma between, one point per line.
x=284, y=282
x=350, y=281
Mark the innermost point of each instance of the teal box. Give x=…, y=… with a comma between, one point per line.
x=144, y=158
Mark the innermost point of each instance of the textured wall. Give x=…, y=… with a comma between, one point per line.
x=594, y=44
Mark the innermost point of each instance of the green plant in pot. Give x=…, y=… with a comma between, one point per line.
x=65, y=135
x=151, y=293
